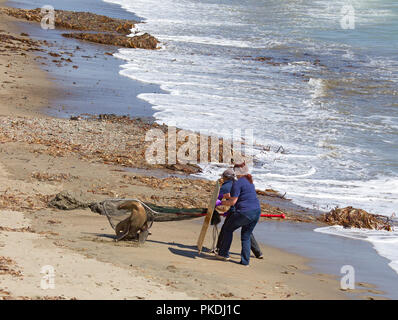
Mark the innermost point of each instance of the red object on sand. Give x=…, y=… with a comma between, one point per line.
x=282, y=215
x=273, y=215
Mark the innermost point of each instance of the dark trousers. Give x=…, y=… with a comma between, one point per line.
x=255, y=248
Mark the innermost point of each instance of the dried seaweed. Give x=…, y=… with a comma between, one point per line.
x=118, y=140
x=21, y=202
x=75, y=20
x=7, y=267
x=8, y=229
x=58, y=177
x=271, y=193
x=145, y=41
x=9, y=297
x=103, y=29
x=350, y=217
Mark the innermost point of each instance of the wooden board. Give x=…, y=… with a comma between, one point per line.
x=206, y=222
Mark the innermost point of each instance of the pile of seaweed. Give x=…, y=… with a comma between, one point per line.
x=75, y=20
x=105, y=30
x=144, y=41
x=350, y=217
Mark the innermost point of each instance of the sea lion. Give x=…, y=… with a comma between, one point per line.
x=136, y=224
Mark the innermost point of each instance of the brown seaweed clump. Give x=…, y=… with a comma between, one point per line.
x=350, y=217
x=7, y=267
x=102, y=29
x=75, y=20
x=145, y=41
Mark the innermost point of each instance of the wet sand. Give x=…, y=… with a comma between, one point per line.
x=25, y=88
x=95, y=85
x=329, y=254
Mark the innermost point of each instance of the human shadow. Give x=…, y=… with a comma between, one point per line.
x=101, y=235
x=188, y=251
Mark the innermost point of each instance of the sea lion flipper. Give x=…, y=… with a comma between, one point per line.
x=122, y=229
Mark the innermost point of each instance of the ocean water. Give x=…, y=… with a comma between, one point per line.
x=332, y=103
x=384, y=242
x=329, y=97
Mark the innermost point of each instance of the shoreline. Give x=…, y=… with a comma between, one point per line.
x=87, y=77
x=70, y=227
x=19, y=79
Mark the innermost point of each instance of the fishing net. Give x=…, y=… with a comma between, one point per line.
x=113, y=213
x=110, y=209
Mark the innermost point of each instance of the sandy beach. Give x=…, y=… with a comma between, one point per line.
x=41, y=155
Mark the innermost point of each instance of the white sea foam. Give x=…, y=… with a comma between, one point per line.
x=311, y=172
x=385, y=242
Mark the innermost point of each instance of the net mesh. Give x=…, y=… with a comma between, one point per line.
x=115, y=215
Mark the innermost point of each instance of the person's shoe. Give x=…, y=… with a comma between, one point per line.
x=245, y=265
x=260, y=257
x=222, y=258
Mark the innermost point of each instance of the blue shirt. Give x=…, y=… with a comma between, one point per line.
x=226, y=187
x=246, y=193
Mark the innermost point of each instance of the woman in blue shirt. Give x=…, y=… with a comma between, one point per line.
x=247, y=213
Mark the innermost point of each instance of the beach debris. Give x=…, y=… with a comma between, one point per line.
x=7, y=266
x=114, y=140
x=57, y=177
x=24, y=229
x=281, y=150
x=350, y=217
x=75, y=20
x=16, y=43
x=227, y=295
x=271, y=193
x=9, y=297
x=186, y=168
x=172, y=268
x=68, y=201
x=109, y=139
x=262, y=59
x=103, y=29
x=54, y=54
x=18, y=201
x=4, y=292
